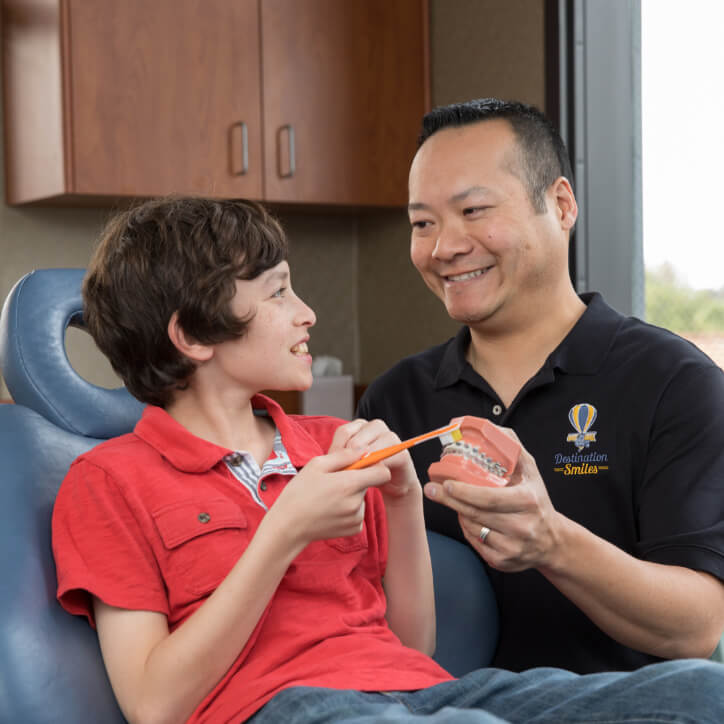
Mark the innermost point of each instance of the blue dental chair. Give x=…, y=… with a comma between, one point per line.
x=51, y=671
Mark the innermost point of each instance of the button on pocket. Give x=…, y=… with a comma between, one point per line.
x=203, y=541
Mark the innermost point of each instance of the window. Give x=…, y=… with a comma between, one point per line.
x=682, y=106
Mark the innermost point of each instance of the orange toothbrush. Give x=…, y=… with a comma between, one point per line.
x=448, y=434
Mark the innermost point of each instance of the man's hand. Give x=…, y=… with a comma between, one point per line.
x=523, y=523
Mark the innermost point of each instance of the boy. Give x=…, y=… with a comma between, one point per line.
x=230, y=564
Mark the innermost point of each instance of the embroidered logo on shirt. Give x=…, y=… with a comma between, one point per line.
x=581, y=416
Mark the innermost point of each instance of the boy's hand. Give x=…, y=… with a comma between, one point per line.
x=326, y=501
x=367, y=436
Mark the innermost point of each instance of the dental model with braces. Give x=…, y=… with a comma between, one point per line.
x=485, y=455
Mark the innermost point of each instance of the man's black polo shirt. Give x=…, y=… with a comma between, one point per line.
x=626, y=423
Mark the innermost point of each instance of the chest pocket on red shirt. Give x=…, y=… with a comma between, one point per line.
x=325, y=566
x=350, y=543
x=203, y=541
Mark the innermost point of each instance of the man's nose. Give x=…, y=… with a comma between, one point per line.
x=451, y=242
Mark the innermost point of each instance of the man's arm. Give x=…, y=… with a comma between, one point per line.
x=669, y=611
x=664, y=610
x=159, y=676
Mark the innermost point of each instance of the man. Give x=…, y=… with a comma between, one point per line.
x=607, y=550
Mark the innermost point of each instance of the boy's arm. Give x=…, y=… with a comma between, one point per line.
x=159, y=676
x=408, y=580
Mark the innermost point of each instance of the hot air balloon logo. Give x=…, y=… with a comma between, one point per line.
x=581, y=417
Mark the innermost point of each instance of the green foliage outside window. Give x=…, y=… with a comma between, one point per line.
x=674, y=305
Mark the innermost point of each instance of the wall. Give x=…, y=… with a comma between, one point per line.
x=369, y=290
x=478, y=48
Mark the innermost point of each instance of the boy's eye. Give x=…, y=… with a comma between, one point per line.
x=419, y=224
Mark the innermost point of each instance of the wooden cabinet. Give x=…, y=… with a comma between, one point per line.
x=131, y=98
x=295, y=101
x=349, y=79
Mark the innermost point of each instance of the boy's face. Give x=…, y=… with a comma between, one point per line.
x=273, y=354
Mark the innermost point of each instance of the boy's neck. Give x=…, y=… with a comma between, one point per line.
x=229, y=423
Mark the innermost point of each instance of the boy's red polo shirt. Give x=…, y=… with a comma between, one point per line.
x=155, y=519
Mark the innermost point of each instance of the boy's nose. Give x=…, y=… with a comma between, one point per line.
x=306, y=316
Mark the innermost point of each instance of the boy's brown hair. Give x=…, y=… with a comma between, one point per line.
x=179, y=254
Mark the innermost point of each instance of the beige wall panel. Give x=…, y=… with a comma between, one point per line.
x=398, y=314
x=483, y=48
x=478, y=48
x=323, y=259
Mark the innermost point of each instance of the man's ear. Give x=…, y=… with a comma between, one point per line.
x=565, y=202
x=188, y=346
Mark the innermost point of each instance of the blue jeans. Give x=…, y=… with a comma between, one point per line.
x=675, y=691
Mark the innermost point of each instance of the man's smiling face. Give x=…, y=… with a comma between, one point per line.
x=476, y=239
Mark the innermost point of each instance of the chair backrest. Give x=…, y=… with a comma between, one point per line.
x=467, y=612
x=50, y=664
x=51, y=671
x=34, y=363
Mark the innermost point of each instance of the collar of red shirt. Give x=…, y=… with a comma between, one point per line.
x=192, y=454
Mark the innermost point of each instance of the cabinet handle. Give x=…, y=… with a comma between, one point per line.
x=292, y=166
x=241, y=125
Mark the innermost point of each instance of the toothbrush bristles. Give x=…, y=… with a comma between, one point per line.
x=450, y=437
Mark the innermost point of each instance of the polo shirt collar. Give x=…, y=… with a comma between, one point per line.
x=453, y=362
x=586, y=346
x=582, y=351
x=192, y=454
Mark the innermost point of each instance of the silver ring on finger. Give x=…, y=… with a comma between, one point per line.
x=484, y=533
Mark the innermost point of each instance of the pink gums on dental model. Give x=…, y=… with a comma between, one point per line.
x=484, y=456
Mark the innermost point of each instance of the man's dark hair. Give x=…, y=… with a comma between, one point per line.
x=543, y=155
x=177, y=254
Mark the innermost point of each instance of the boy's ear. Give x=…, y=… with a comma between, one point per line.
x=188, y=346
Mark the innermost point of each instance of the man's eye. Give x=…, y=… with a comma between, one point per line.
x=420, y=224
x=279, y=292
x=470, y=210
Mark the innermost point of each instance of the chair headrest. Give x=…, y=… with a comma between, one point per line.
x=35, y=365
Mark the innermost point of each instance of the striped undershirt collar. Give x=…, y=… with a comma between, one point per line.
x=246, y=470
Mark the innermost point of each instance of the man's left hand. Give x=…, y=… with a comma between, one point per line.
x=521, y=518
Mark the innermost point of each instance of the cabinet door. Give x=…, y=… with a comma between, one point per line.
x=345, y=86
x=163, y=97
